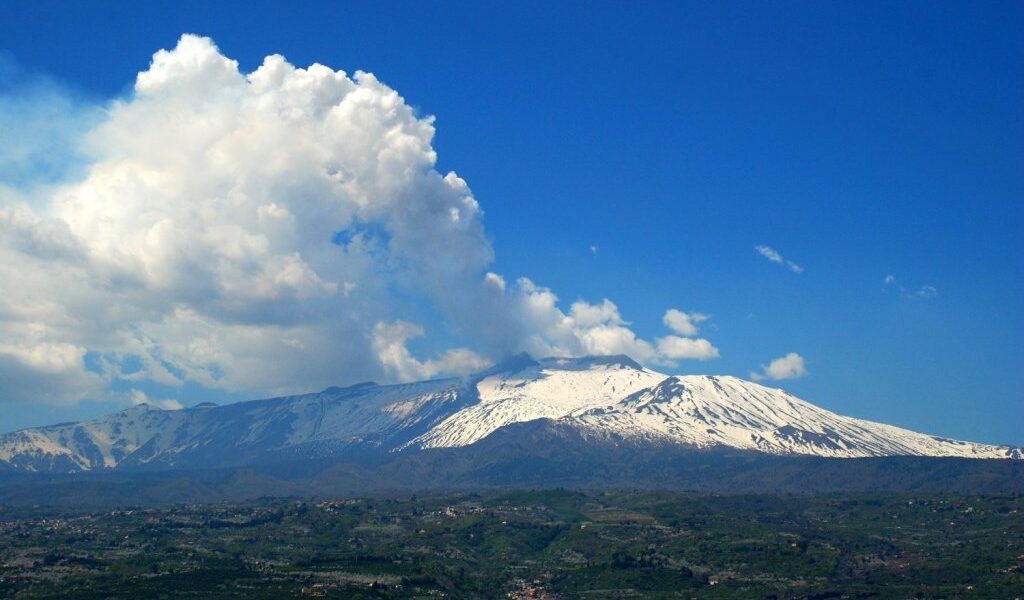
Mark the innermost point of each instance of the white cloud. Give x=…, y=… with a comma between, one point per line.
x=389, y=341
x=773, y=255
x=890, y=279
x=594, y=329
x=926, y=291
x=585, y=329
x=267, y=232
x=790, y=366
x=683, y=323
x=769, y=253
x=35, y=369
x=673, y=347
x=495, y=280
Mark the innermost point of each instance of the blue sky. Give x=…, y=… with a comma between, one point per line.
x=641, y=153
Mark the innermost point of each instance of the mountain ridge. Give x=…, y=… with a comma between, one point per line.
x=601, y=398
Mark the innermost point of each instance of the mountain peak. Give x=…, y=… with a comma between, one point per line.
x=142, y=407
x=509, y=364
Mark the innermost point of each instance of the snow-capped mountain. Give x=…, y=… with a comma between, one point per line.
x=609, y=400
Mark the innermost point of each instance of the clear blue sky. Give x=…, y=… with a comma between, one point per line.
x=860, y=140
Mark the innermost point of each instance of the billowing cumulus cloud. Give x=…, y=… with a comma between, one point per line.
x=790, y=366
x=590, y=329
x=267, y=232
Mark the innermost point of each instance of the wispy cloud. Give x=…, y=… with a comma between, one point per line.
x=925, y=292
x=773, y=255
x=42, y=122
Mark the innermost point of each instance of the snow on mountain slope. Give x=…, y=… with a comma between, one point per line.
x=100, y=443
x=615, y=398
x=706, y=411
x=549, y=389
x=604, y=398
